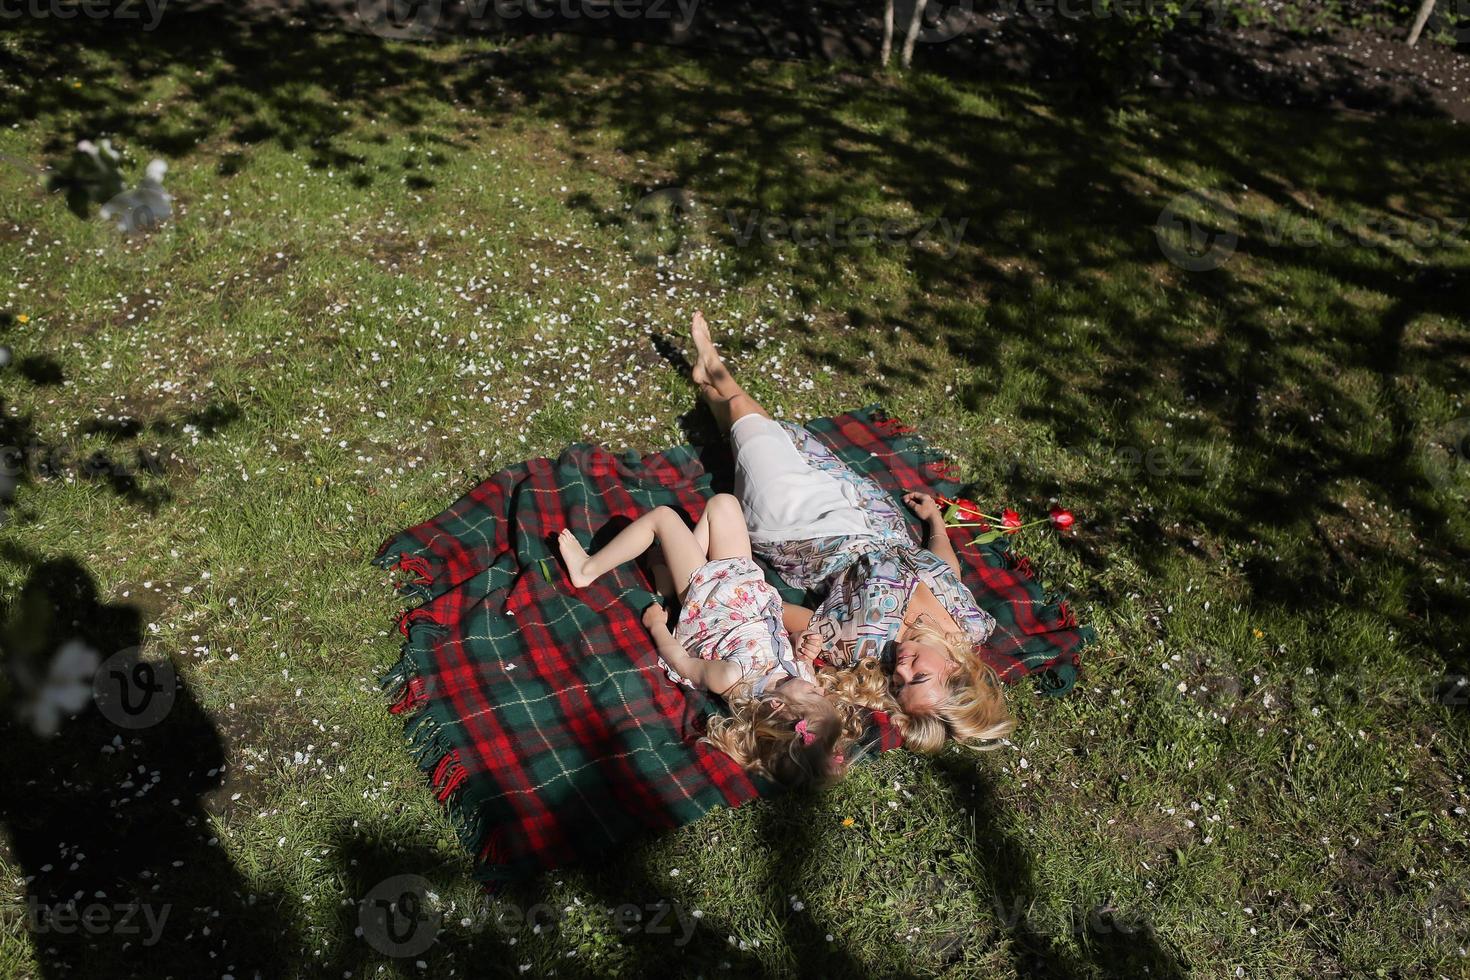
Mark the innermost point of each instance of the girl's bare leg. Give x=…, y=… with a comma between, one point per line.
x=725, y=535
x=663, y=579
x=726, y=399
x=681, y=550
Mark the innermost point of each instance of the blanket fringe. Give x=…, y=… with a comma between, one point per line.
x=420, y=585
x=448, y=776
x=419, y=616
x=414, y=697
x=886, y=424
x=436, y=758
x=416, y=564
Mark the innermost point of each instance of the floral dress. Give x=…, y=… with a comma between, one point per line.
x=732, y=613
x=863, y=612
x=868, y=580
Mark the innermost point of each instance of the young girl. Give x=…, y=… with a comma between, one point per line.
x=731, y=642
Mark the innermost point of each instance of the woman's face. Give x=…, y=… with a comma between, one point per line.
x=919, y=675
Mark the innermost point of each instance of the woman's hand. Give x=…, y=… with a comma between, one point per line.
x=924, y=506
x=927, y=508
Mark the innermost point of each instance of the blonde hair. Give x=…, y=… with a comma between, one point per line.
x=760, y=732
x=972, y=710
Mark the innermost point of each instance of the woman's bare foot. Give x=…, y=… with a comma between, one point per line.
x=708, y=365
x=576, y=558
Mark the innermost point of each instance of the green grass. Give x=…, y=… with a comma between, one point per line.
x=395, y=269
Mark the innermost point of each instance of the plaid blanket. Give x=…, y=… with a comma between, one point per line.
x=539, y=713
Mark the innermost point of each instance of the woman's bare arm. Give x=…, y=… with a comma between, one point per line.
x=940, y=544
x=925, y=507
x=715, y=676
x=795, y=618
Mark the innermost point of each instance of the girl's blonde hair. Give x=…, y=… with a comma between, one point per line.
x=973, y=709
x=761, y=733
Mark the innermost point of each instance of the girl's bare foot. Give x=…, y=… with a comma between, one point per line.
x=654, y=617
x=575, y=557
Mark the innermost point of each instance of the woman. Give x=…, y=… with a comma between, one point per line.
x=824, y=527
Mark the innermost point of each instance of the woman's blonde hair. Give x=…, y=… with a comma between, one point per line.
x=972, y=710
x=761, y=733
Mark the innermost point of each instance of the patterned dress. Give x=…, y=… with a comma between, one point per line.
x=732, y=613
x=868, y=580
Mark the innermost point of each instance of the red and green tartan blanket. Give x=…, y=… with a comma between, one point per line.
x=539, y=712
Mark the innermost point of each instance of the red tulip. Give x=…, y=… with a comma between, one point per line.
x=1010, y=521
x=968, y=510
x=1061, y=518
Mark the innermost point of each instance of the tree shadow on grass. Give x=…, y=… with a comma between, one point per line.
x=124, y=878
x=1239, y=414
x=133, y=472
x=1112, y=945
x=634, y=925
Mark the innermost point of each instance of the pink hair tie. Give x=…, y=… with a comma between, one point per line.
x=807, y=737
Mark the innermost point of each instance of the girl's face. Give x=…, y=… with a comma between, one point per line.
x=920, y=672
x=794, y=693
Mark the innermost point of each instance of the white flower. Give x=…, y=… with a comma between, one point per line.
x=66, y=689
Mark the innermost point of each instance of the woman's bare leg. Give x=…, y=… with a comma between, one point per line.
x=681, y=550
x=726, y=399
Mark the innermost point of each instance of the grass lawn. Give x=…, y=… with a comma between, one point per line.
x=394, y=269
